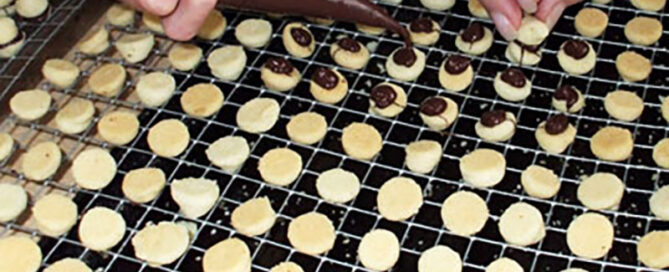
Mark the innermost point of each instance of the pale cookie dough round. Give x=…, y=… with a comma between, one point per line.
x=483, y=167
x=228, y=153
x=603, y=2
x=577, y=57
x=30, y=105
x=424, y=31
x=653, y=249
x=456, y=73
x=19, y=254
x=195, y=196
x=229, y=255
x=160, y=244
x=298, y=40
x=68, y=265
x=286, y=267
x=601, y=191
x=11, y=39
x=31, y=8
x=661, y=153
x=361, y=141
x=253, y=33
x=307, y=128
x=107, y=80
x=422, y=156
x=590, y=236
x=591, y=22
x=522, y=224
x=76, y=116
x=41, y=161
x=328, y=85
x=370, y=30
x=155, y=88
x=387, y=99
x=101, y=228
x=202, y=100
x=55, y=214
x=379, y=250
x=349, y=53
x=612, y=143
x=6, y=146
x=118, y=127
x=438, y=4
x=143, y=185
x=633, y=66
x=320, y=21
x=153, y=22
x=568, y=98
x=13, y=201
x=623, y=105
x=135, y=48
x=522, y=54
x=279, y=74
x=532, y=31
x=464, y=213
x=474, y=40
x=650, y=5
x=476, y=9
x=311, y=233
x=228, y=62
x=168, y=138
x=337, y=185
x=258, y=115
x=405, y=64
x=512, y=85
x=280, y=166
x=539, y=182
x=399, y=198
x=496, y=126
x=93, y=168
x=253, y=217
x=94, y=42
x=659, y=203
x=184, y=56
x=555, y=134
x=120, y=15
x=643, y=30
x=213, y=26
x=439, y=258
x=60, y=73
x=438, y=112
x=504, y=264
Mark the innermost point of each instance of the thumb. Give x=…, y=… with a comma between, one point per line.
x=506, y=14
x=156, y=7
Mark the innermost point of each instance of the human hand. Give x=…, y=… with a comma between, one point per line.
x=181, y=18
x=507, y=14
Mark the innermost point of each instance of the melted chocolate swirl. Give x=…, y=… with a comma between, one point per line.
x=514, y=77
x=556, y=124
x=456, y=64
x=433, y=106
x=301, y=36
x=349, y=44
x=493, y=118
x=566, y=93
x=405, y=57
x=279, y=65
x=421, y=25
x=576, y=49
x=473, y=33
x=383, y=96
x=325, y=78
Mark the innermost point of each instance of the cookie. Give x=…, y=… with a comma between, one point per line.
x=476, y=9
x=532, y=31
x=349, y=53
x=101, y=228
x=623, y=105
x=253, y=217
x=227, y=63
x=30, y=105
x=31, y=9
x=370, y=30
x=664, y=108
x=93, y=168
x=6, y=147
x=15, y=247
x=120, y=15
x=612, y=144
x=118, y=127
x=160, y=244
x=55, y=214
x=231, y=254
x=328, y=85
x=258, y=115
x=512, y=85
x=405, y=64
x=307, y=128
x=280, y=166
x=311, y=233
x=319, y=20
x=653, y=250
x=143, y=184
x=184, y=56
x=298, y=40
x=135, y=48
x=438, y=4
x=483, y=168
x=601, y=191
x=12, y=38
x=153, y=22
x=107, y=80
x=650, y=5
x=195, y=196
x=555, y=134
x=60, y=73
x=591, y=22
x=95, y=42
x=168, y=138
x=504, y=264
x=399, y=198
x=337, y=185
x=202, y=100
x=68, y=265
x=379, y=250
x=75, y=116
x=14, y=200
x=474, y=40
x=228, y=153
x=456, y=73
x=424, y=31
x=253, y=33
x=523, y=54
x=41, y=161
x=590, y=236
x=576, y=57
x=438, y=112
x=155, y=88
x=522, y=224
x=213, y=26
x=287, y=267
x=422, y=156
x=633, y=66
x=568, y=98
x=387, y=99
x=439, y=258
x=539, y=182
x=496, y=126
x=279, y=74
x=661, y=153
x=361, y=141
x=464, y=213
x=643, y=30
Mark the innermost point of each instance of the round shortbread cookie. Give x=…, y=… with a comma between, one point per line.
x=120, y=15
x=184, y=56
x=228, y=153
x=661, y=153
x=522, y=224
x=623, y=105
x=474, y=40
x=279, y=74
x=143, y=185
x=370, y=30
x=483, y=167
x=94, y=168
x=439, y=258
x=437, y=4
x=253, y=217
x=659, y=203
x=60, y=73
x=202, y=100
x=195, y=196
x=555, y=134
x=30, y=105
x=577, y=57
x=311, y=233
x=213, y=26
x=664, y=108
x=307, y=128
x=160, y=244
x=464, y=213
x=75, y=116
x=101, y=228
x=590, y=236
x=155, y=88
x=258, y=115
x=349, y=53
x=612, y=143
x=55, y=214
x=438, y=112
x=522, y=54
x=399, y=198
x=229, y=255
x=601, y=191
x=424, y=31
x=31, y=8
x=456, y=73
x=168, y=138
x=41, y=161
x=68, y=265
x=228, y=62
x=361, y=141
x=650, y=5
x=135, y=48
x=320, y=21
x=287, y=267
x=496, y=126
x=653, y=249
x=387, y=99
x=298, y=40
x=643, y=30
x=512, y=85
x=12, y=38
x=253, y=33
x=532, y=31
x=95, y=42
x=422, y=156
x=633, y=66
x=405, y=64
x=328, y=85
x=153, y=22
x=539, y=181
x=13, y=201
x=337, y=185
x=118, y=127
x=6, y=146
x=591, y=22
x=568, y=98
x=280, y=166
x=107, y=80
x=504, y=264
x=379, y=250
x=476, y=9
x=19, y=254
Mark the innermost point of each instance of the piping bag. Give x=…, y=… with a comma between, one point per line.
x=354, y=11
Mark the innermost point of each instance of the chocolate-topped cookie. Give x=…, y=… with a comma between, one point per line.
x=433, y=106
x=383, y=96
x=387, y=99
x=493, y=118
x=514, y=77
x=496, y=125
x=512, y=85
x=405, y=63
x=557, y=124
x=456, y=64
x=348, y=44
x=325, y=78
x=421, y=25
x=424, y=31
x=577, y=57
x=279, y=65
x=473, y=33
x=456, y=73
x=438, y=112
x=301, y=36
x=475, y=39
x=298, y=40
x=576, y=49
x=349, y=53
x=405, y=57
x=567, y=93
x=328, y=85
x=555, y=134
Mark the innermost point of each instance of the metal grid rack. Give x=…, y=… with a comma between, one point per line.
x=352, y=220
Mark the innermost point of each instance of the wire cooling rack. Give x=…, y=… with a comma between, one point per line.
x=354, y=219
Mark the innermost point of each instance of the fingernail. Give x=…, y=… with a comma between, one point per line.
x=529, y=6
x=159, y=7
x=504, y=26
x=554, y=15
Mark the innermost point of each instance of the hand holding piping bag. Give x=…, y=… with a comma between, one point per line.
x=181, y=18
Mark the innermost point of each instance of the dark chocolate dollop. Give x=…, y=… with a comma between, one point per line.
x=514, y=77
x=493, y=118
x=576, y=49
x=325, y=78
x=456, y=64
x=421, y=25
x=279, y=65
x=433, y=106
x=349, y=44
x=567, y=93
x=473, y=33
x=383, y=96
x=557, y=124
x=528, y=48
x=405, y=57
x=301, y=36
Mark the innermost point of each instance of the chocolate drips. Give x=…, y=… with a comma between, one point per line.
x=556, y=124
x=493, y=118
x=405, y=56
x=567, y=93
x=383, y=96
x=349, y=44
x=456, y=64
x=279, y=65
x=301, y=36
x=325, y=78
x=534, y=49
x=433, y=106
x=514, y=77
x=473, y=33
x=421, y=25
x=576, y=49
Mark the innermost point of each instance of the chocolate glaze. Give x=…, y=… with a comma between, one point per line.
x=576, y=49
x=456, y=64
x=534, y=49
x=325, y=78
x=514, y=77
x=493, y=118
x=354, y=11
x=383, y=96
x=349, y=44
x=473, y=33
x=433, y=106
x=301, y=36
x=556, y=124
x=279, y=65
x=567, y=93
x=421, y=25
x=19, y=36
x=405, y=56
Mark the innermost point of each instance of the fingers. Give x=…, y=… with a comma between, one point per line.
x=157, y=7
x=550, y=11
x=529, y=6
x=506, y=14
x=185, y=21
